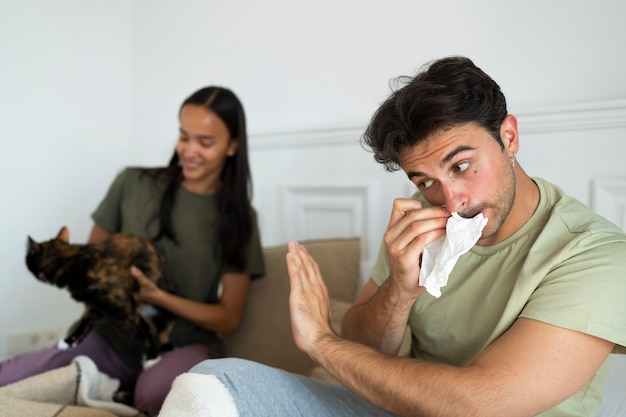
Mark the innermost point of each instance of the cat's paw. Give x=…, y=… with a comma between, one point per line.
x=124, y=397
x=148, y=363
x=63, y=345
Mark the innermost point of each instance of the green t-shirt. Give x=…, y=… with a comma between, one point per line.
x=566, y=266
x=131, y=206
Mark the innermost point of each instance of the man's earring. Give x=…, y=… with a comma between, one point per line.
x=513, y=162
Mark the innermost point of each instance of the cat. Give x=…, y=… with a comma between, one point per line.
x=98, y=275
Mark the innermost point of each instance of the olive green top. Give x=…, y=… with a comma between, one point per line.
x=132, y=206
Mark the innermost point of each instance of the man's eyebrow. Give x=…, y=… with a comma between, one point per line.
x=444, y=161
x=455, y=152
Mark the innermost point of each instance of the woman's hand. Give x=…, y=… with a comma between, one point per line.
x=148, y=292
x=223, y=317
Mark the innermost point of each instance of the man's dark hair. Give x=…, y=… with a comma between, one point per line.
x=447, y=93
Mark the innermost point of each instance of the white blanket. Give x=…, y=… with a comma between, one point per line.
x=78, y=389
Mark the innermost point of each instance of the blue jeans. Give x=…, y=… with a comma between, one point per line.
x=263, y=391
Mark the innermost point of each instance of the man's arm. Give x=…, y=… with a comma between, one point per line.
x=531, y=368
x=378, y=318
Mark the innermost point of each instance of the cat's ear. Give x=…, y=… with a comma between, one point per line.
x=64, y=235
x=33, y=247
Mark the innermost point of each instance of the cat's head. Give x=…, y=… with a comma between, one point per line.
x=44, y=258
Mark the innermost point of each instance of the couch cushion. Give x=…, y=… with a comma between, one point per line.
x=264, y=334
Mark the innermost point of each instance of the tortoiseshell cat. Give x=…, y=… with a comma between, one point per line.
x=98, y=275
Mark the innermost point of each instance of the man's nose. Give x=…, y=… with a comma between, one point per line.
x=455, y=198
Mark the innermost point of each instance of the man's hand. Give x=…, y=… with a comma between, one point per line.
x=308, y=300
x=411, y=228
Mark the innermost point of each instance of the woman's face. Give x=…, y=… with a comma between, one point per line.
x=203, y=145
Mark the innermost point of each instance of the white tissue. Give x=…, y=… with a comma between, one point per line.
x=439, y=258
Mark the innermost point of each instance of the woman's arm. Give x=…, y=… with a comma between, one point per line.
x=223, y=317
x=98, y=234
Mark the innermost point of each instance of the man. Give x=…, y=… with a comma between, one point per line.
x=529, y=317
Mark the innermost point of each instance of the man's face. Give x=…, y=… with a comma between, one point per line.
x=465, y=170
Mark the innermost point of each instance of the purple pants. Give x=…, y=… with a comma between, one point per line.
x=150, y=386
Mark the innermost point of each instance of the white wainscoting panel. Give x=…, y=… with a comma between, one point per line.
x=327, y=211
x=609, y=199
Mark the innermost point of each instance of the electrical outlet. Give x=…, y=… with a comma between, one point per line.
x=29, y=341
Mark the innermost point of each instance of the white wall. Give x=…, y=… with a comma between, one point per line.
x=65, y=70
x=326, y=64
x=88, y=87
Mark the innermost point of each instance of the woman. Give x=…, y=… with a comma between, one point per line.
x=198, y=212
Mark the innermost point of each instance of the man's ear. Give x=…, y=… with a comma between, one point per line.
x=510, y=135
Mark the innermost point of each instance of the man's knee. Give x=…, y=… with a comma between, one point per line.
x=231, y=367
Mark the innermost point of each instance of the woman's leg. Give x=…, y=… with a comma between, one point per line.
x=155, y=382
x=93, y=346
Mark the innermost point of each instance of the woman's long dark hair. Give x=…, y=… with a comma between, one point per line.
x=235, y=194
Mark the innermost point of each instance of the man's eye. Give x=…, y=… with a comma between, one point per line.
x=460, y=167
x=424, y=184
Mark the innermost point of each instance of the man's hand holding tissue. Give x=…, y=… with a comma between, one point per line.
x=410, y=230
x=381, y=313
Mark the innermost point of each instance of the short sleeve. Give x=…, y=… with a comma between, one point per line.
x=108, y=213
x=255, y=263
x=586, y=292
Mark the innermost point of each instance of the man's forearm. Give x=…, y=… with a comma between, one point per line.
x=381, y=321
x=400, y=385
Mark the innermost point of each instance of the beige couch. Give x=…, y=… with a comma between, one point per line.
x=265, y=332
